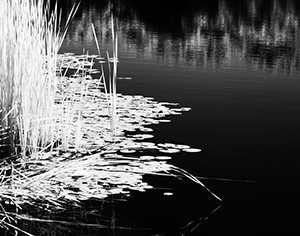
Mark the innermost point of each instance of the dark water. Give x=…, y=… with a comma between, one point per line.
x=237, y=65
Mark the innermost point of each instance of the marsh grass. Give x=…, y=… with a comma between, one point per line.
x=29, y=47
x=32, y=78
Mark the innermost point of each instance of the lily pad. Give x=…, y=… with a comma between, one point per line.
x=192, y=150
x=127, y=151
x=162, y=158
x=147, y=157
x=169, y=150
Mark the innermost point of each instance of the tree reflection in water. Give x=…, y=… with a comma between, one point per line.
x=257, y=34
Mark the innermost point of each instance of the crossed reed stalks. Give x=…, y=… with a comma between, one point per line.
x=29, y=44
x=30, y=121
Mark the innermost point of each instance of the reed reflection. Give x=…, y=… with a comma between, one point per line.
x=262, y=35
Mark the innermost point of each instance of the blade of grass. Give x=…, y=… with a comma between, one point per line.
x=193, y=178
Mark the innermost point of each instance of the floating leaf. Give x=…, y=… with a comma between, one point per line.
x=111, y=155
x=166, y=145
x=147, y=145
x=169, y=150
x=164, y=121
x=142, y=136
x=146, y=129
x=147, y=157
x=182, y=146
x=175, y=113
x=163, y=158
x=154, y=122
x=148, y=187
x=127, y=151
x=192, y=150
x=185, y=108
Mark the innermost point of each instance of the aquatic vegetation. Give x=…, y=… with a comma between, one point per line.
x=28, y=52
x=73, y=138
x=93, y=158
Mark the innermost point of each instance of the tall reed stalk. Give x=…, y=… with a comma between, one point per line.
x=114, y=61
x=29, y=45
x=112, y=77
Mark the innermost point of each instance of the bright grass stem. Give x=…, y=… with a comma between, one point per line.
x=112, y=78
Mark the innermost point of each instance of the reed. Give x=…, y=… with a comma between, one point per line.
x=29, y=47
x=112, y=75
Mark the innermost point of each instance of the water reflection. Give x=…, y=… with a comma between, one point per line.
x=262, y=35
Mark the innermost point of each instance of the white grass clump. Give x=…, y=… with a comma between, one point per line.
x=29, y=45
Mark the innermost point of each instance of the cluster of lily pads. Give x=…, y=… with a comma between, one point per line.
x=92, y=106
x=97, y=161
x=100, y=161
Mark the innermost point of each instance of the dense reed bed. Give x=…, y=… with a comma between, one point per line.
x=29, y=47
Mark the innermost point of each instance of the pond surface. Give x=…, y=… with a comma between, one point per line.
x=237, y=65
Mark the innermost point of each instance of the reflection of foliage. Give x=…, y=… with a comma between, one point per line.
x=172, y=17
x=203, y=34
x=105, y=218
x=78, y=220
